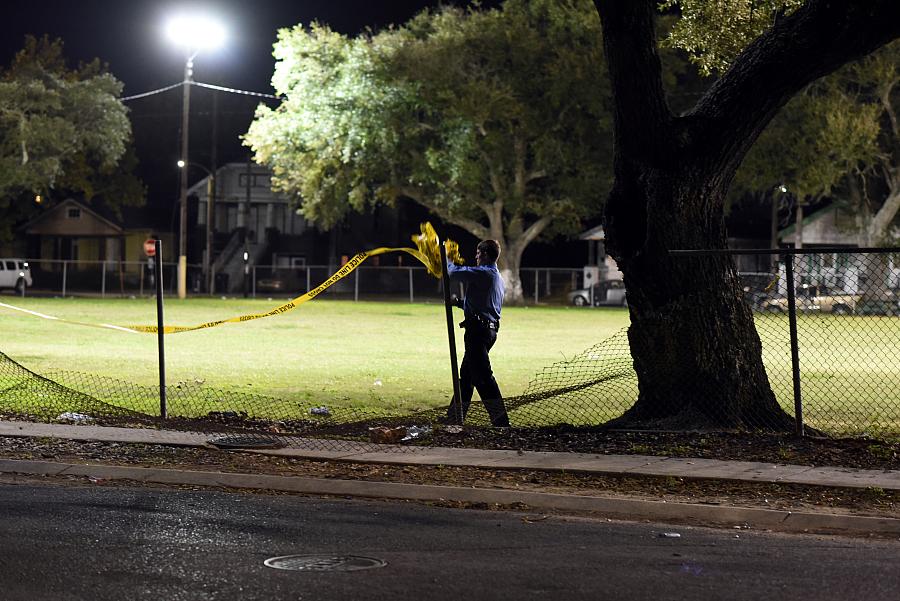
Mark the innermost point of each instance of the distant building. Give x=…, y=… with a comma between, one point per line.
x=87, y=243
x=829, y=226
x=834, y=227
x=248, y=216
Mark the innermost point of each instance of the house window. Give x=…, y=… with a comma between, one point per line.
x=256, y=180
x=74, y=213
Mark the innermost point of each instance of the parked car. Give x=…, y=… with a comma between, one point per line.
x=886, y=302
x=273, y=284
x=606, y=293
x=15, y=274
x=820, y=299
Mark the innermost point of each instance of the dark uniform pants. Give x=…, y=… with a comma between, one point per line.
x=476, y=374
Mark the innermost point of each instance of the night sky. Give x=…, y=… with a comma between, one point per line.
x=128, y=36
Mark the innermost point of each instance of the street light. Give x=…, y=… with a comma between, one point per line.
x=193, y=33
x=210, y=215
x=246, y=271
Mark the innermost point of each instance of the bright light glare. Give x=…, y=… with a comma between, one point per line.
x=180, y=164
x=196, y=32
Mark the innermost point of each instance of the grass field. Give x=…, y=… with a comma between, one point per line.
x=849, y=366
x=393, y=357
x=389, y=356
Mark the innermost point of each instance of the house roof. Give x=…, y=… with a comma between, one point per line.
x=808, y=219
x=595, y=233
x=826, y=226
x=56, y=221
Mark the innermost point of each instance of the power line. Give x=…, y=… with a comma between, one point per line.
x=234, y=91
x=202, y=85
x=145, y=94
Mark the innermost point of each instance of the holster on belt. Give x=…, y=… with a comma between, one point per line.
x=479, y=322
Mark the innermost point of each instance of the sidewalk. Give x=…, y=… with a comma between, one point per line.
x=638, y=465
x=609, y=507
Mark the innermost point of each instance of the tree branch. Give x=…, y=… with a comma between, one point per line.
x=496, y=184
x=535, y=229
x=885, y=98
x=520, y=172
x=470, y=225
x=640, y=110
x=886, y=214
x=530, y=177
x=800, y=48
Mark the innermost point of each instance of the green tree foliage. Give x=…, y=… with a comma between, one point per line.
x=715, y=33
x=495, y=120
x=61, y=129
x=840, y=138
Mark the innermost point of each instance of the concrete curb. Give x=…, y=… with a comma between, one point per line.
x=622, y=509
x=618, y=465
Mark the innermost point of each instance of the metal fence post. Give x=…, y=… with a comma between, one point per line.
x=356, y=285
x=536, y=285
x=307, y=279
x=65, y=265
x=160, y=336
x=253, y=282
x=448, y=310
x=795, y=350
x=103, y=280
x=410, y=284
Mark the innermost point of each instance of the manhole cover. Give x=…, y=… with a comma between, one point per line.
x=245, y=442
x=324, y=563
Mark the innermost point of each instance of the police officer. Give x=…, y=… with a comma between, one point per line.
x=482, y=304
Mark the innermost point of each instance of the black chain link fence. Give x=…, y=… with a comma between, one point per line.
x=837, y=313
x=829, y=321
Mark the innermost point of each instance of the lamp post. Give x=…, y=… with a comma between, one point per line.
x=193, y=34
x=210, y=216
x=781, y=190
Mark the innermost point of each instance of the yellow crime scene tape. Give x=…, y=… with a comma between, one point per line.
x=427, y=251
x=69, y=321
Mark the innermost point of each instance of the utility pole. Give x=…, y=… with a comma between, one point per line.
x=182, y=237
x=247, y=225
x=211, y=198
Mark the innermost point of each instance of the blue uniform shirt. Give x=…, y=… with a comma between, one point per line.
x=484, y=289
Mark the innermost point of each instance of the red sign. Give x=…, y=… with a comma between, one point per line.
x=150, y=248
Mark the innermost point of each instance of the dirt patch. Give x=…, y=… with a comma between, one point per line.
x=737, y=446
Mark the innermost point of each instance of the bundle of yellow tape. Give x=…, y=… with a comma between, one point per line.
x=427, y=251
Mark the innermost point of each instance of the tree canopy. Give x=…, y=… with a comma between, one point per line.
x=840, y=138
x=495, y=120
x=62, y=129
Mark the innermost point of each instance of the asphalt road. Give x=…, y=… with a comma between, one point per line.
x=98, y=543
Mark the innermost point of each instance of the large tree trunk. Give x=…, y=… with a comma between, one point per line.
x=509, y=264
x=693, y=341
x=695, y=349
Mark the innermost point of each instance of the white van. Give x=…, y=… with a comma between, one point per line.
x=15, y=274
